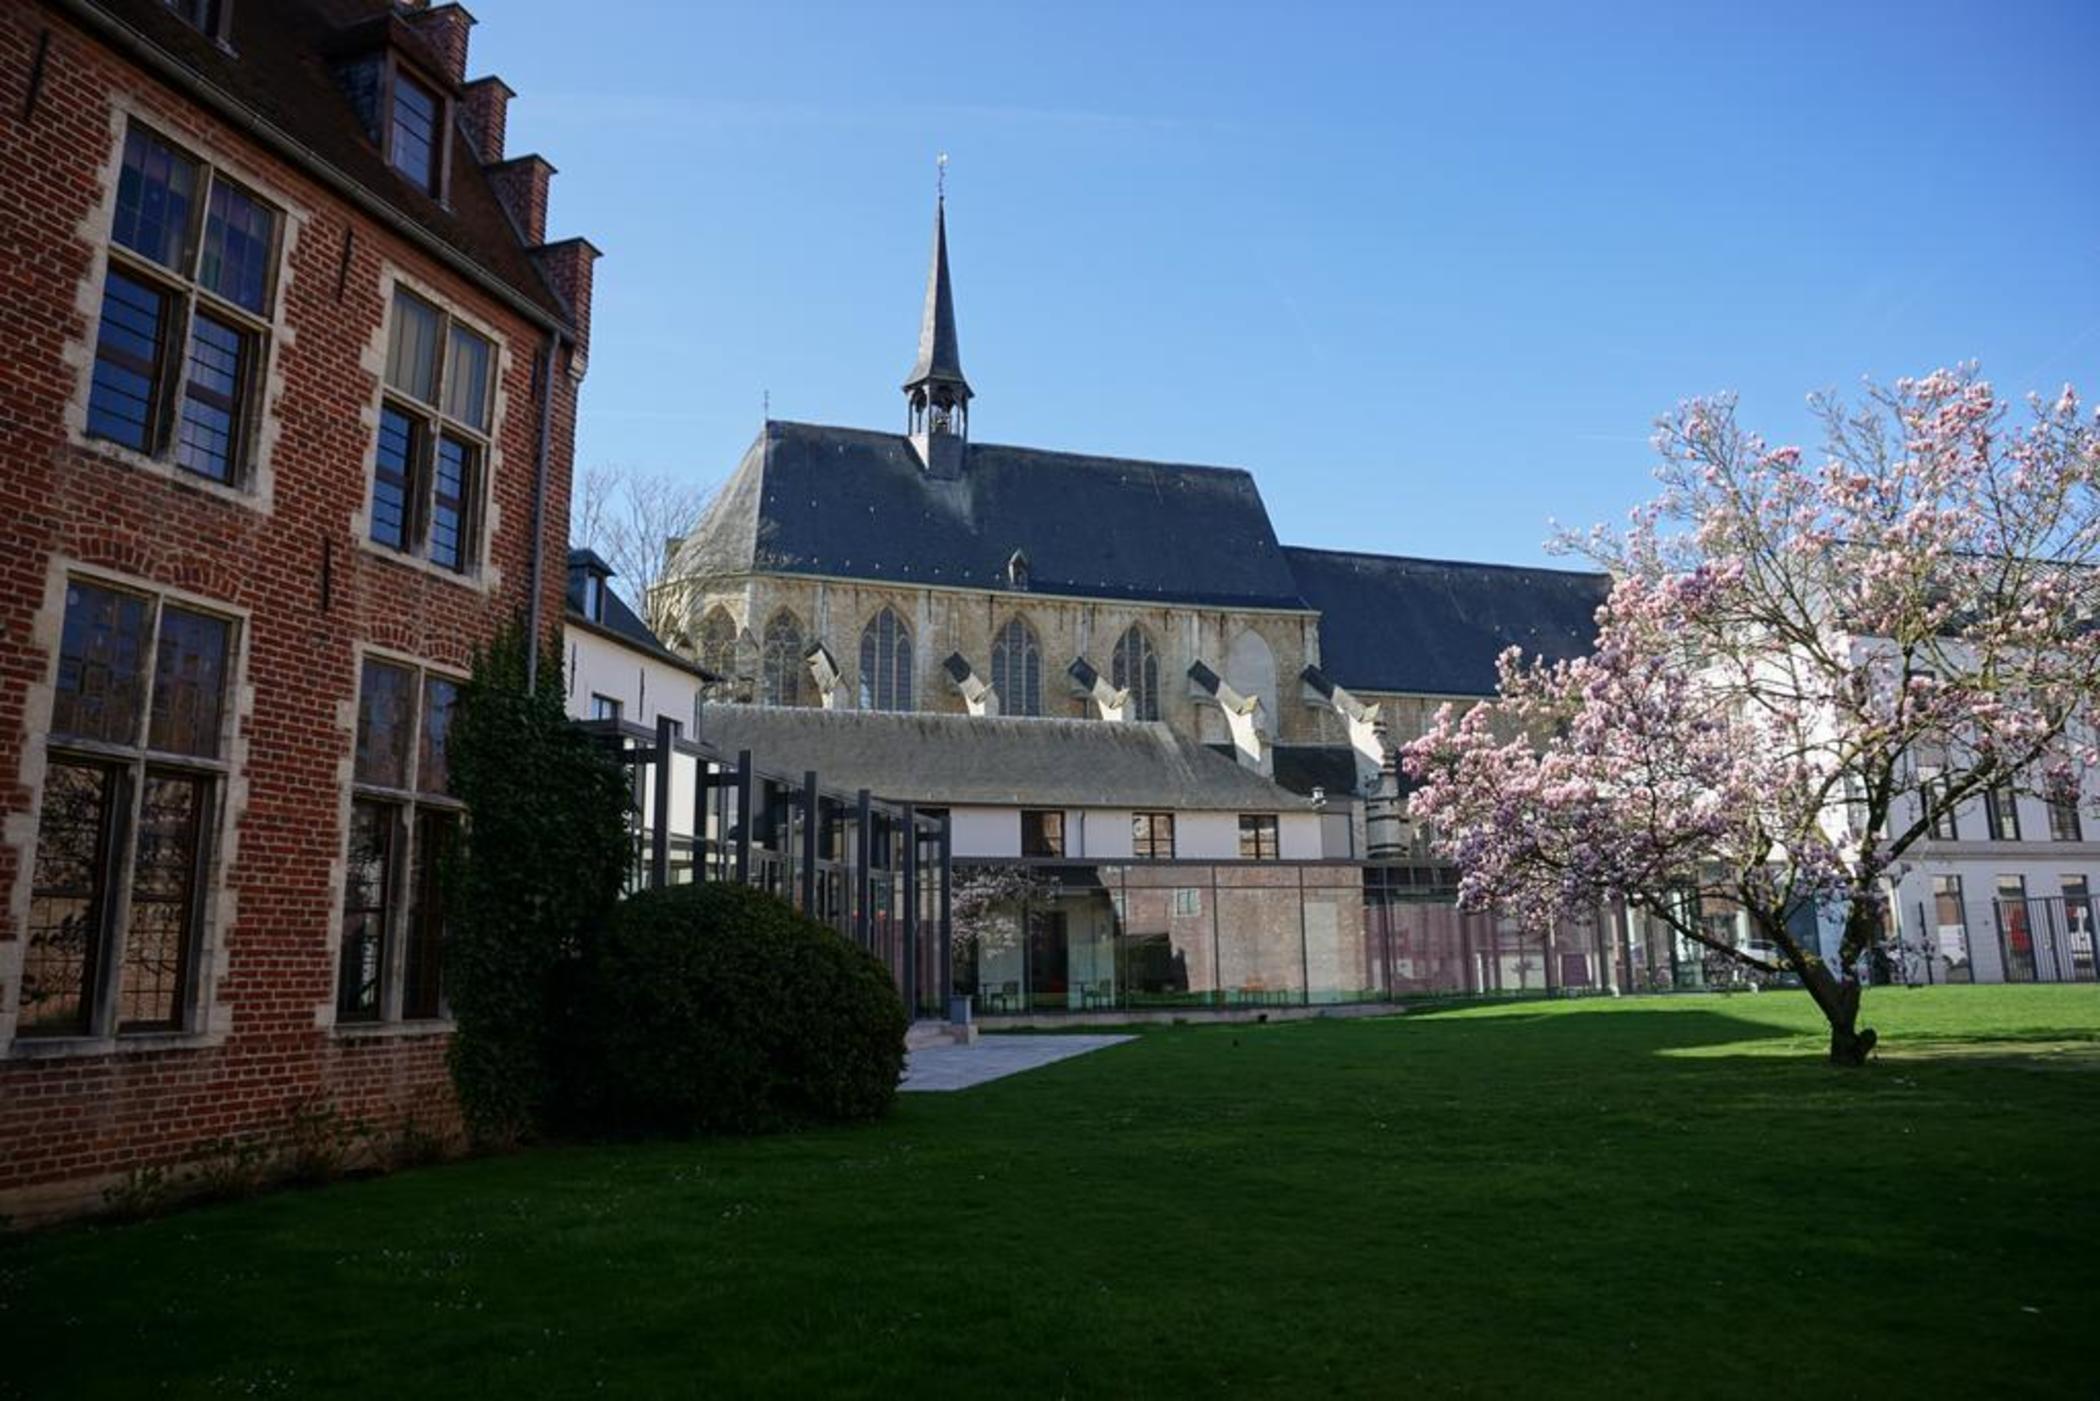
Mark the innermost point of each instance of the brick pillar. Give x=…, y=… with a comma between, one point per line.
x=444, y=28
x=484, y=108
x=568, y=267
x=521, y=183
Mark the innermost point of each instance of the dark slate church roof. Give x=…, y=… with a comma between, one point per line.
x=1427, y=626
x=812, y=499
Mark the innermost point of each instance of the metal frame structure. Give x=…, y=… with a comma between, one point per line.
x=878, y=872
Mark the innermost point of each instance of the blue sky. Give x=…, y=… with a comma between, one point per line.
x=1428, y=272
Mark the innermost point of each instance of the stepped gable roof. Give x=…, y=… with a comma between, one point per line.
x=1426, y=626
x=942, y=760
x=279, y=66
x=849, y=503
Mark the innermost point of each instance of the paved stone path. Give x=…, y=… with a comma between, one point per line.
x=933, y=1068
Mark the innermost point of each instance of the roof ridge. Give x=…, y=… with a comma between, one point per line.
x=1069, y=454
x=1451, y=563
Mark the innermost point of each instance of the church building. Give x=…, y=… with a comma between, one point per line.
x=852, y=569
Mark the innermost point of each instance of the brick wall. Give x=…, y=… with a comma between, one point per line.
x=74, y=1119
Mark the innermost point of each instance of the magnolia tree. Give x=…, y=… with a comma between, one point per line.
x=1802, y=669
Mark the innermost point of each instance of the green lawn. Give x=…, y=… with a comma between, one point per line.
x=1645, y=1197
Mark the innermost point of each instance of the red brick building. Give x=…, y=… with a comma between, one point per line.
x=286, y=420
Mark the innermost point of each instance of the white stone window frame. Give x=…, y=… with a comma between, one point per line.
x=205, y=1018
x=407, y=803
x=254, y=484
x=481, y=575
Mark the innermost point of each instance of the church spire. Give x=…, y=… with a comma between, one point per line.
x=937, y=393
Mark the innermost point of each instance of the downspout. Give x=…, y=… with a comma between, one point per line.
x=540, y=454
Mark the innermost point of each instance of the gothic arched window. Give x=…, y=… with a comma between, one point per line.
x=718, y=643
x=1017, y=669
x=1136, y=669
x=885, y=663
x=780, y=664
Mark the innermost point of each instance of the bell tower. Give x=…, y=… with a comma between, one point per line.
x=937, y=396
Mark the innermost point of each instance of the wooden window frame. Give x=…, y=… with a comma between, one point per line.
x=185, y=295
x=130, y=765
x=408, y=810
x=391, y=71
x=433, y=425
x=1047, y=841
x=1266, y=830
x=1144, y=835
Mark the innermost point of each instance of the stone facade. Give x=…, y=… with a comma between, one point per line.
x=947, y=621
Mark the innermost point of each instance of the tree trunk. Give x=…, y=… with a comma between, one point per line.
x=1839, y=1000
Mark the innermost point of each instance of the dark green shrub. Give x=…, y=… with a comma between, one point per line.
x=545, y=848
x=717, y=1008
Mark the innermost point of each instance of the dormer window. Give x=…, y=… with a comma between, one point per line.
x=593, y=595
x=406, y=115
x=208, y=17
x=412, y=137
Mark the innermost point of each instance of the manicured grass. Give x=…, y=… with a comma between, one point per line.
x=1648, y=1197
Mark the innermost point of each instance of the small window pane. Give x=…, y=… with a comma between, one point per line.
x=101, y=665
x=156, y=191
x=885, y=664
x=436, y=834
x=365, y=889
x=781, y=665
x=394, y=469
x=412, y=347
x=240, y=240
x=452, y=490
x=385, y=709
x=434, y=767
x=210, y=440
x=1134, y=667
x=1258, y=838
x=717, y=642
x=163, y=911
x=67, y=896
x=123, y=400
x=1042, y=833
x=1017, y=669
x=415, y=131
x=467, y=378
x=189, y=683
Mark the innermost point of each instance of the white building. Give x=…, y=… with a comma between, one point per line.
x=614, y=667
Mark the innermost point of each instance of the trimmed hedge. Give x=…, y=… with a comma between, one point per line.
x=720, y=1009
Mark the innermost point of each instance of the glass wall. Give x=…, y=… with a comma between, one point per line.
x=1161, y=936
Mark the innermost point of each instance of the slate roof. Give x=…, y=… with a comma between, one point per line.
x=620, y=622
x=846, y=502
x=280, y=68
x=998, y=761
x=1428, y=626
x=940, y=353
